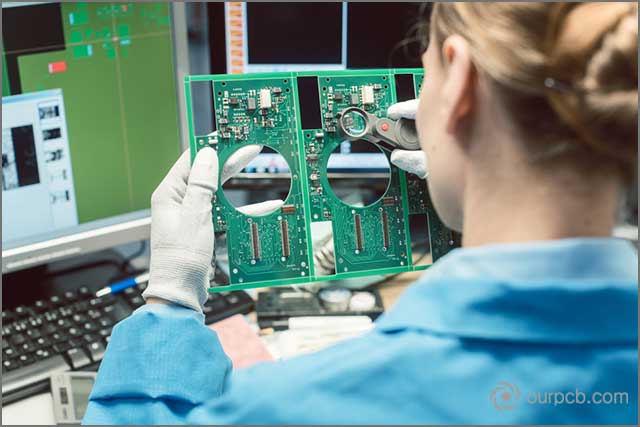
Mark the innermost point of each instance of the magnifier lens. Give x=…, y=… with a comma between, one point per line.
x=354, y=123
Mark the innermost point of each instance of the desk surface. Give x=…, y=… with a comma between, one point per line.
x=38, y=410
x=391, y=290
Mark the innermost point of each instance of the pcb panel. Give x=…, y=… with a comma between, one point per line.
x=368, y=237
x=296, y=115
x=250, y=112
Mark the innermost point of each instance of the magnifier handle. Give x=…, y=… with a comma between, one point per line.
x=398, y=133
x=401, y=133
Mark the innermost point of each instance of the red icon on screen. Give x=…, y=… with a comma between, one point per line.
x=57, y=67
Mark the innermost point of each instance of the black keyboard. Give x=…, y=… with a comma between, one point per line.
x=71, y=331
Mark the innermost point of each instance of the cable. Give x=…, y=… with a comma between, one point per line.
x=125, y=268
x=126, y=263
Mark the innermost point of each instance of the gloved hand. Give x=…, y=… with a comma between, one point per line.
x=181, y=225
x=411, y=161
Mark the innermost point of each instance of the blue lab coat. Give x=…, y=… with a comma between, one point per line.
x=518, y=333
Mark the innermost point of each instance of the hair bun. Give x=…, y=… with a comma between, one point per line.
x=596, y=51
x=566, y=72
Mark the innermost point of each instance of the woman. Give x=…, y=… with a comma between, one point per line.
x=528, y=118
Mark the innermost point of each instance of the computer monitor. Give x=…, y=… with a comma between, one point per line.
x=264, y=37
x=268, y=37
x=92, y=105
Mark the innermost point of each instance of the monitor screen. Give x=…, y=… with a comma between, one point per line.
x=264, y=37
x=385, y=35
x=89, y=115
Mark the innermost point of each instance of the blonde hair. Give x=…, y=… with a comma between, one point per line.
x=567, y=71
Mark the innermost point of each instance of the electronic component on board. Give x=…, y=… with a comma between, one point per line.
x=255, y=242
x=284, y=232
x=288, y=209
x=367, y=95
x=265, y=99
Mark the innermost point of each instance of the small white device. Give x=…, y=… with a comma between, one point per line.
x=70, y=391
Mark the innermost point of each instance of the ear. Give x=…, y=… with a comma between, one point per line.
x=459, y=86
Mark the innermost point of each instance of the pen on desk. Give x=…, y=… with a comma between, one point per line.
x=123, y=284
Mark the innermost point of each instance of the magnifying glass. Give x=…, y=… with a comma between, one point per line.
x=355, y=124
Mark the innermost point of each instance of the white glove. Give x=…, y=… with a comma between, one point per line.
x=181, y=225
x=414, y=162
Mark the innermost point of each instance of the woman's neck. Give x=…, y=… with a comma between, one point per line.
x=529, y=206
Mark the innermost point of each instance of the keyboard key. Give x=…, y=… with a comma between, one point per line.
x=88, y=338
x=9, y=365
x=59, y=337
x=131, y=292
x=63, y=324
x=80, y=307
x=85, y=293
x=10, y=353
x=79, y=318
x=41, y=342
x=108, y=299
x=61, y=347
x=137, y=301
x=41, y=306
x=55, y=301
x=96, y=351
x=33, y=333
x=51, y=316
x=27, y=347
x=5, y=343
x=26, y=359
x=69, y=297
x=105, y=332
x=22, y=311
x=8, y=317
x=20, y=326
x=43, y=353
x=65, y=311
x=77, y=358
x=18, y=339
x=34, y=322
x=105, y=322
x=117, y=312
x=95, y=303
x=94, y=314
x=47, y=329
x=74, y=332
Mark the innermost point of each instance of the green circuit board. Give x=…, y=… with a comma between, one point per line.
x=295, y=114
